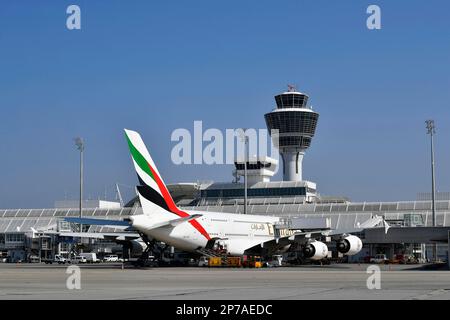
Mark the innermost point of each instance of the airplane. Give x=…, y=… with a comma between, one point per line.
x=199, y=231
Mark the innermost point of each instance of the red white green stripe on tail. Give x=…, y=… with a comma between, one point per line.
x=153, y=193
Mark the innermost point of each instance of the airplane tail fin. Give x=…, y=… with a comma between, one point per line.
x=156, y=201
x=153, y=193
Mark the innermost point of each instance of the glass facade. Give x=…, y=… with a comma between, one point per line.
x=293, y=121
x=252, y=165
x=296, y=128
x=296, y=141
x=291, y=100
x=253, y=192
x=15, y=237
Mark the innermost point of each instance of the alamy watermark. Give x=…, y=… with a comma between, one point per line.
x=374, y=280
x=373, y=22
x=73, y=21
x=213, y=146
x=73, y=281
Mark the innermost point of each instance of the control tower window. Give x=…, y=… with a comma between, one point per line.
x=298, y=141
x=291, y=101
x=293, y=122
x=252, y=166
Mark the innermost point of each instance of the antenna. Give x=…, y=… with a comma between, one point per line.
x=291, y=88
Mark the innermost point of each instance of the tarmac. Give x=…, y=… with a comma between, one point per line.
x=110, y=281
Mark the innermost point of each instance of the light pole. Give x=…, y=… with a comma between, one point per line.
x=245, y=174
x=244, y=137
x=80, y=146
x=431, y=131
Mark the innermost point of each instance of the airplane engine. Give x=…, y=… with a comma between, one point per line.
x=315, y=250
x=349, y=245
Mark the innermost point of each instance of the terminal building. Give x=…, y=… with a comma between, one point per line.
x=292, y=198
x=21, y=238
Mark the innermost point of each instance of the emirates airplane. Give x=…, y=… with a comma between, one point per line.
x=194, y=231
x=200, y=231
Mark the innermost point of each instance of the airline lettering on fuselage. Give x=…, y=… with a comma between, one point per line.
x=286, y=232
x=270, y=228
x=258, y=226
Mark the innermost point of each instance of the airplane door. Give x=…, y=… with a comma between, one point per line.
x=270, y=228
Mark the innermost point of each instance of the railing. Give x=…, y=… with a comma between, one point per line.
x=339, y=207
x=59, y=212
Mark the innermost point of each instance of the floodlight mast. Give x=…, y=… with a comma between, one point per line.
x=80, y=146
x=431, y=130
x=244, y=137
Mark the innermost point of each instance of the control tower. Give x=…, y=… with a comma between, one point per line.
x=296, y=124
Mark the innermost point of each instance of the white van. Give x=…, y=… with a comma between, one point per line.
x=379, y=258
x=111, y=258
x=91, y=257
x=60, y=259
x=79, y=259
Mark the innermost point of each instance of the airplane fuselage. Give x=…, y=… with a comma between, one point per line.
x=237, y=231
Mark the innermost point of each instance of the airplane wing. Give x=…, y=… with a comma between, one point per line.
x=174, y=222
x=119, y=224
x=376, y=222
x=125, y=225
x=143, y=220
x=408, y=234
x=303, y=237
x=281, y=242
x=113, y=236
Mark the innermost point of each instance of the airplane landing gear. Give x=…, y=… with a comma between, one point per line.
x=143, y=260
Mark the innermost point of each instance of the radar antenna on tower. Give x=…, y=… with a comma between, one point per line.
x=291, y=88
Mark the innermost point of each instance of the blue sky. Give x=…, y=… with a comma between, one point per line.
x=155, y=66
